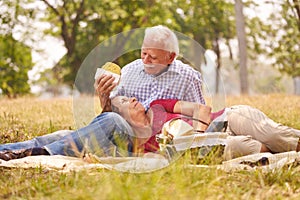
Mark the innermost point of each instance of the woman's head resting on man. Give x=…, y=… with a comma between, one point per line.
x=129, y=108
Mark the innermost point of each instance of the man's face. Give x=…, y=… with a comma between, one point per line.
x=156, y=60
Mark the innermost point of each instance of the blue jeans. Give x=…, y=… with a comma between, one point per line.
x=107, y=135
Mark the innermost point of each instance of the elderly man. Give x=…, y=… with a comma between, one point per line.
x=157, y=75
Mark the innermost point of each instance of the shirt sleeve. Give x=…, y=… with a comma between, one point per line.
x=194, y=92
x=192, y=80
x=167, y=104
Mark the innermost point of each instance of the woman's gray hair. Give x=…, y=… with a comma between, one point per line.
x=164, y=36
x=115, y=109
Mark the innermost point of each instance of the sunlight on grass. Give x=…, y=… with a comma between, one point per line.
x=24, y=118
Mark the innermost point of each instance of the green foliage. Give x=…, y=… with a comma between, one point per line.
x=286, y=48
x=82, y=25
x=85, y=24
x=15, y=62
x=205, y=21
x=270, y=84
x=15, y=56
x=278, y=37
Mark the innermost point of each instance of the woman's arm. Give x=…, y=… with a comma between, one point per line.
x=196, y=111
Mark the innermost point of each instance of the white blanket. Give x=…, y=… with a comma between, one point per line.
x=148, y=164
x=67, y=164
x=141, y=165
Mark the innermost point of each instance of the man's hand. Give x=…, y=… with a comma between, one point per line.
x=103, y=87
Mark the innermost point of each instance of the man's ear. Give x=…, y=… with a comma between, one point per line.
x=171, y=57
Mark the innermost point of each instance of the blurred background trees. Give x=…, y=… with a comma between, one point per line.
x=81, y=25
x=15, y=55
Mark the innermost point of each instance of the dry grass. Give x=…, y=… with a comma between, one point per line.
x=281, y=108
x=25, y=118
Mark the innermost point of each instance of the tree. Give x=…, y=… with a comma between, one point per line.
x=207, y=22
x=280, y=35
x=241, y=34
x=15, y=62
x=15, y=56
x=286, y=47
x=84, y=24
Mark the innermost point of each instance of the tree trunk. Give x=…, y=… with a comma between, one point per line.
x=241, y=34
x=297, y=85
x=218, y=53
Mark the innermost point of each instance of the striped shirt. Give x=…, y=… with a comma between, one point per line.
x=180, y=82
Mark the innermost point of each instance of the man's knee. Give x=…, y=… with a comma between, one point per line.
x=241, y=146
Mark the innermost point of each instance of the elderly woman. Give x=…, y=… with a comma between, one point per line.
x=146, y=125
x=250, y=131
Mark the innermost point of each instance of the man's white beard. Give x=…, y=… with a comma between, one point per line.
x=150, y=66
x=154, y=69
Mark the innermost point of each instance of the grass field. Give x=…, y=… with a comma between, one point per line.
x=24, y=118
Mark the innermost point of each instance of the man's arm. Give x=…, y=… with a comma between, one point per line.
x=194, y=91
x=196, y=111
x=103, y=87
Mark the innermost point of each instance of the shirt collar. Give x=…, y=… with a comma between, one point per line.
x=174, y=67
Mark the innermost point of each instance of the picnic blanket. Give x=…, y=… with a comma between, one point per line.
x=149, y=164
x=275, y=162
x=67, y=164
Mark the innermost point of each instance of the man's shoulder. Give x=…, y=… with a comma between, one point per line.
x=184, y=68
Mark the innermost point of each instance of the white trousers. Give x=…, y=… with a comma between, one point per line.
x=250, y=128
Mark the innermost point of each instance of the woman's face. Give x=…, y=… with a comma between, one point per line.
x=129, y=108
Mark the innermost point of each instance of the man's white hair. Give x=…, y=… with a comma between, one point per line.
x=163, y=37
